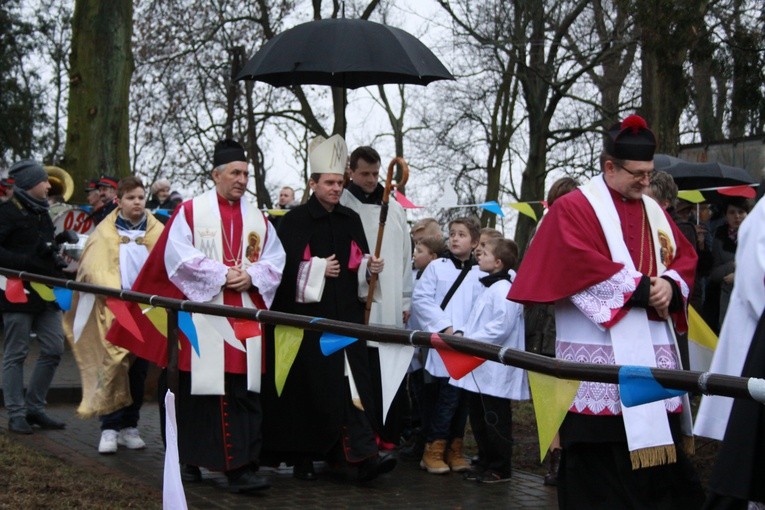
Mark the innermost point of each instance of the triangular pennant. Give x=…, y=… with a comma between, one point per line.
x=173, y=495
x=287, y=340
x=85, y=303
x=457, y=364
x=694, y=196
x=277, y=212
x=45, y=292
x=330, y=343
x=638, y=386
x=552, y=399
x=405, y=202
x=121, y=313
x=63, y=298
x=186, y=325
x=524, y=208
x=14, y=291
x=738, y=191
x=494, y=207
x=157, y=316
x=394, y=362
x=448, y=198
x=244, y=329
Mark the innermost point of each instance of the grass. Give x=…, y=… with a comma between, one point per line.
x=32, y=480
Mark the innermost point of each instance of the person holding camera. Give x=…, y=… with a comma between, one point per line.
x=27, y=244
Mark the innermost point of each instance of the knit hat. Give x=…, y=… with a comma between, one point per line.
x=328, y=155
x=630, y=139
x=27, y=174
x=226, y=151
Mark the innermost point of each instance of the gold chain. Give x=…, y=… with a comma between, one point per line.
x=643, y=220
x=235, y=254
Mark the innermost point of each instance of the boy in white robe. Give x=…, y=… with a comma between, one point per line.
x=490, y=387
x=441, y=302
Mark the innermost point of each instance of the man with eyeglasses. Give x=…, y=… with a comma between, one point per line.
x=628, y=271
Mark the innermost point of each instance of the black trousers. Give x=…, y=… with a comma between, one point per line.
x=491, y=419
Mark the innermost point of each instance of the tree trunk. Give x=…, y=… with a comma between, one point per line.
x=664, y=81
x=101, y=65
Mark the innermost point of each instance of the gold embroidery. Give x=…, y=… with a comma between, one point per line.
x=667, y=251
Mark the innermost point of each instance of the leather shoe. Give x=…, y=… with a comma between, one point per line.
x=376, y=466
x=248, y=482
x=303, y=470
x=44, y=421
x=19, y=425
x=190, y=474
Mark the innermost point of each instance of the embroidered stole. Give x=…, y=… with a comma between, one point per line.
x=648, y=434
x=208, y=367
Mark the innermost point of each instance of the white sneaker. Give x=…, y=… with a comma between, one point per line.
x=130, y=438
x=108, y=442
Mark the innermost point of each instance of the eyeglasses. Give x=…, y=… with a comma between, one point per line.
x=638, y=176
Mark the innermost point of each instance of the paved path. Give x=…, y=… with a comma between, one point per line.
x=406, y=487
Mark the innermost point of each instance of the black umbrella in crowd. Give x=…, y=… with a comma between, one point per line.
x=348, y=53
x=690, y=176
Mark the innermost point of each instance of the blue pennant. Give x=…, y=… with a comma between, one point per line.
x=330, y=343
x=637, y=386
x=186, y=325
x=63, y=297
x=493, y=206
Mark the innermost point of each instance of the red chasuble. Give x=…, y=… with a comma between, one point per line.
x=153, y=280
x=569, y=253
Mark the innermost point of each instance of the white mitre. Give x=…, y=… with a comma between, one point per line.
x=328, y=155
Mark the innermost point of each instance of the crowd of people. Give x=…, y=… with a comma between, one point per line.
x=632, y=259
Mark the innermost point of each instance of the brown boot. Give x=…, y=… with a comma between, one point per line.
x=551, y=478
x=433, y=458
x=457, y=462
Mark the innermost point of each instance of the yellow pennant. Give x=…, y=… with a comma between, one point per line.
x=552, y=400
x=287, y=340
x=699, y=331
x=157, y=316
x=45, y=292
x=525, y=208
x=693, y=196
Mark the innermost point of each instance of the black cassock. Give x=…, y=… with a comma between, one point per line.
x=314, y=415
x=739, y=472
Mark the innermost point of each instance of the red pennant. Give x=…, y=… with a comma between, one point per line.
x=123, y=316
x=738, y=191
x=457, y=364
x=14, y=291
x=405, y=202
x=244, y=329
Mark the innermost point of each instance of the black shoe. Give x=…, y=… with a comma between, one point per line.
x=19, y=425
x=248, y=482
x=190, y=474
x=551, y=478
x=303, y=470
x=376, y=466
x=44, y=421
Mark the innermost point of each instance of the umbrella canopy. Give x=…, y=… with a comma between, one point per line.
x=689, y=175
x=348, y=53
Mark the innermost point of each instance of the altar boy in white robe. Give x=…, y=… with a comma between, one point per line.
x=494, y=320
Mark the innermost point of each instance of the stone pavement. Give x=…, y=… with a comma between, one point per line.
x=406, y=487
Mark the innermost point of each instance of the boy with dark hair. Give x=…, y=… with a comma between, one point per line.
x=440, y=302
x=490, y=387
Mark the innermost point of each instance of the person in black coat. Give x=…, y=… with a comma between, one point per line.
x=314, y=418
x=27, y=244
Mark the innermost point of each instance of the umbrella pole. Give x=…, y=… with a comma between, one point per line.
x=381, y=230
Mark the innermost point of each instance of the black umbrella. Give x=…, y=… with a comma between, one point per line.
x=689, y=175
x=348, y=53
